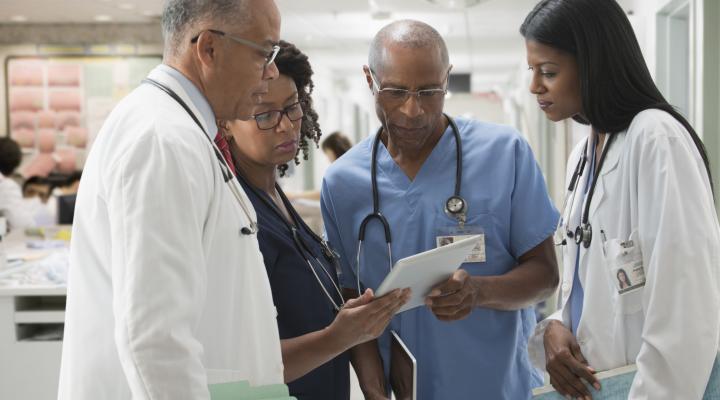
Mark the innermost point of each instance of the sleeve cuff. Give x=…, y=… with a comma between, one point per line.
x=536, y=345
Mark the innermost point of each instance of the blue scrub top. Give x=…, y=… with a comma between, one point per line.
x=301, y=304
x=484, y=355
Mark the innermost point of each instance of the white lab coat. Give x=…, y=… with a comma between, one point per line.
x=653, y=189
x=165, y=295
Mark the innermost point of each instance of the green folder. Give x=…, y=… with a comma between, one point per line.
x=243, y=391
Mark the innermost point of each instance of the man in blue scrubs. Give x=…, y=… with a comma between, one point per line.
x=470, y=341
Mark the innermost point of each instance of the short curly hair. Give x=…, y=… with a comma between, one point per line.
x=294, y=64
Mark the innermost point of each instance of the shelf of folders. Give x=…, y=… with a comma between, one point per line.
x=243, y=391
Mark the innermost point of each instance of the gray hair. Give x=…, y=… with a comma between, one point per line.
x=179, y=16
x=405, y=33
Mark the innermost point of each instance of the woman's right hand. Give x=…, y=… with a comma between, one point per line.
x=366, y=317
x=566, y=364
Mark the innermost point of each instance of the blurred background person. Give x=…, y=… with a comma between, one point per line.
x=11, y=204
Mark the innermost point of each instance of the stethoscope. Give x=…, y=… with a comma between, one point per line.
x=455, y=205
x=300, y=244
x=583, y=232
x=224, y=167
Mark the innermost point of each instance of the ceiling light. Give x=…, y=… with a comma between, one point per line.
x=457, y=3
x=18, y=18
x=126, y=6
x=376, y=12
x=103, y=18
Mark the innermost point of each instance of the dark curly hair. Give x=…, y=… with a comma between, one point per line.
x=294, y=64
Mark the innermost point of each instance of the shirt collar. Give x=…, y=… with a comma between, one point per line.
x=198, y=99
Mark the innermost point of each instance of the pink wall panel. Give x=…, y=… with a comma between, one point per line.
x=22, y=119
x=25, y=137
x=26, y=72
x=46, y=140
x=64, y=74
x=46, y=119
x=76, y=136
x=68, y=118
x=41, y=165
x=65, y=100
x=67, y=160
x=26, y=99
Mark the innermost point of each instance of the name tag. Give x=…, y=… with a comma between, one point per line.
x=626, y=265
x=476, y=255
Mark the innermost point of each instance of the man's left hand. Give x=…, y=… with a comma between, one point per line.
x=453, y=299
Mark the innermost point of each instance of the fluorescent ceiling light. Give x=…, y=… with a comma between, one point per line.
x=103, y=18
x=18, y=18
x=457, y=3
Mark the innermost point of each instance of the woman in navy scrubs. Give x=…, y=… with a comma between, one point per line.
x=316, y=326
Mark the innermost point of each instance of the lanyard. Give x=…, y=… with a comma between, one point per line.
x=305, y=251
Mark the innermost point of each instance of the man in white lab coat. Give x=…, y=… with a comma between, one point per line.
x=167, y=290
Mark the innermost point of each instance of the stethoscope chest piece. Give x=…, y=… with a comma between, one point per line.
x=456, y=207
x=583, y=234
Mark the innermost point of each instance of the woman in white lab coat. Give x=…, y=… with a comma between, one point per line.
x=639, y=204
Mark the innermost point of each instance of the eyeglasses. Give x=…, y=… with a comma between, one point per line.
x=268, y=54
x=270, y=119
x=393, y=97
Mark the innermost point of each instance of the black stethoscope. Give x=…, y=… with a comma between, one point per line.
x=224, y=167
x=583, y=232
x=455, y=205
x=300, y=244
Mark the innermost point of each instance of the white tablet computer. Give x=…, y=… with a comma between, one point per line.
x=422, y=271
x=403, y=370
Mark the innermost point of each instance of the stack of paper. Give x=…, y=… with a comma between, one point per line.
x=243, y=391
x=616, y=385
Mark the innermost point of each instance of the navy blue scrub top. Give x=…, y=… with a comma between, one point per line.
x=301, y=304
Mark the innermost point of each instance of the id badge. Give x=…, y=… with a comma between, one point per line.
x=447, y=235
x=626, y=265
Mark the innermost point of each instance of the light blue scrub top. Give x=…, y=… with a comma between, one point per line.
x=484, y=355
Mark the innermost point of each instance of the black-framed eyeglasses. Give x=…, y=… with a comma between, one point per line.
x=270, y=119
x=395, y=96
x=268, y=54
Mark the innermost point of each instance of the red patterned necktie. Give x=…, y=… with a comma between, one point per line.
x=224, y=147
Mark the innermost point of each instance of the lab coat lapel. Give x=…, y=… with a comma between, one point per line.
x=611, y=162
x=601, y=189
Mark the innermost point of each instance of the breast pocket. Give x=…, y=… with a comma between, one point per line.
x=626, y=272
x=483, y=260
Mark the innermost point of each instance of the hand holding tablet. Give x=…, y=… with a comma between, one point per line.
x=423, y=271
